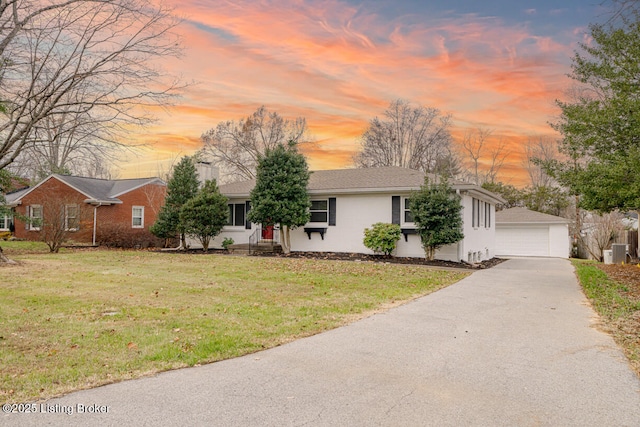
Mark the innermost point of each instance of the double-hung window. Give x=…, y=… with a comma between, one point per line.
x=407, y=216
x=71, y=219
x=319, y=211
x=35, y=217
x=5, y=222
x=137, y=217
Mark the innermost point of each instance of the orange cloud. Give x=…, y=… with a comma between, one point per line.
x=340, y=65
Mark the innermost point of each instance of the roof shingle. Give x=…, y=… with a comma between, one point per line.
x=520, y=215
x=103, y=190
x=382, y=179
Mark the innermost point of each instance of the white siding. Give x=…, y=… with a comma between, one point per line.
x=354, y=213
x=559, y=241
x=479, y=242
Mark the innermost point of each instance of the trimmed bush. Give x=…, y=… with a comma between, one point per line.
x=382, y=237
x=121, y=236
x=227, y=242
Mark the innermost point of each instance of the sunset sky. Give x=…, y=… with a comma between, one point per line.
x=497, y=65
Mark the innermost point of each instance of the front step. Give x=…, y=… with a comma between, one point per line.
x=262, y=247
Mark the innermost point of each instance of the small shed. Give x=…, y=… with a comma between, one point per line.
x=523, y=232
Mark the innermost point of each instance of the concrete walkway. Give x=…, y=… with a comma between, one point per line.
x=515, y=345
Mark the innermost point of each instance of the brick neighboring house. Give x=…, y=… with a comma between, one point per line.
x=91, y=209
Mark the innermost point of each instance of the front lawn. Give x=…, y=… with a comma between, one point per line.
x=19, y=247
x=83, y=318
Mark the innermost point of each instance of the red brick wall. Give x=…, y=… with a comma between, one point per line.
x=51, y=195
x=150, y=196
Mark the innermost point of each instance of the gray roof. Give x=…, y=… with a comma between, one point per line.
x=97, y=190
x=11, y=198
x=364, y=180
x=525, y=216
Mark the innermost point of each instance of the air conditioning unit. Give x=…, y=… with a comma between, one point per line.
x=619, y=253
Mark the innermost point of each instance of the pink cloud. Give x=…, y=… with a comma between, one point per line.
x=340, y=65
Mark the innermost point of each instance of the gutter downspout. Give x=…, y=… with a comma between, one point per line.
x=95, y=221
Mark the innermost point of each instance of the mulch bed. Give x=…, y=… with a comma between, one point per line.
x=629, y=274
x=626, y=329
x=346, y=256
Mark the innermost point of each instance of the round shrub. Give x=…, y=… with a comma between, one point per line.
x=382, y=237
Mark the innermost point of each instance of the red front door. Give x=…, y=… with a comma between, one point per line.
x=267, y=232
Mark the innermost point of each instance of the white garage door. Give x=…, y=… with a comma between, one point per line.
x=522, y=241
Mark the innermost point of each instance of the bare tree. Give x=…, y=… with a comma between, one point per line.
x=64, y=144
x=408, y=136
x=621, y=10
x=599, y=231
x=472, y=147
x=236, y=146
x=80, y=71
x=58, y=219
x=155, y=195
x=497, y=157
x=539, y=151
x=484, y=162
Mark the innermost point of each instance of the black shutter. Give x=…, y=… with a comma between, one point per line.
x=332, y=211
x=239, y=214
x=395, y=209
x=247, y=208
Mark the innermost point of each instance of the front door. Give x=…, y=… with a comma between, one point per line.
x=267, y=232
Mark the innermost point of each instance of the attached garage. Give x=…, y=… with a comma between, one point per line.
x=522, y=232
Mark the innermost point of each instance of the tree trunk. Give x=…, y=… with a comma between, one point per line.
x=638, y=229
x=429, y=253
x=285, y=243
x=4, y=259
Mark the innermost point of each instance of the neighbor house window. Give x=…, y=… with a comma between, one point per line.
x=35, y=217
x=407, y=215
x=319, y=211
x=137, y=217
x=71, y=220
x=236, y=214
x=5, y=222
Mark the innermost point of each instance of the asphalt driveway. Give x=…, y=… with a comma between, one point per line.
x=515, y=345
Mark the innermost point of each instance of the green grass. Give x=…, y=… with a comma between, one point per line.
x=83, y=318
x=16, y=247
x=620, y=313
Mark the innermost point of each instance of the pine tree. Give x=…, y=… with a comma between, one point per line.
x=436, y=211
x=182, y=186
x=204, y=215
x=280, y=195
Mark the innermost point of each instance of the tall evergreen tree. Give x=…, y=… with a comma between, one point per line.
x=182, y=186
x=436, y=211
x=601, y=127
x=204, y=215
x=280, y=195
